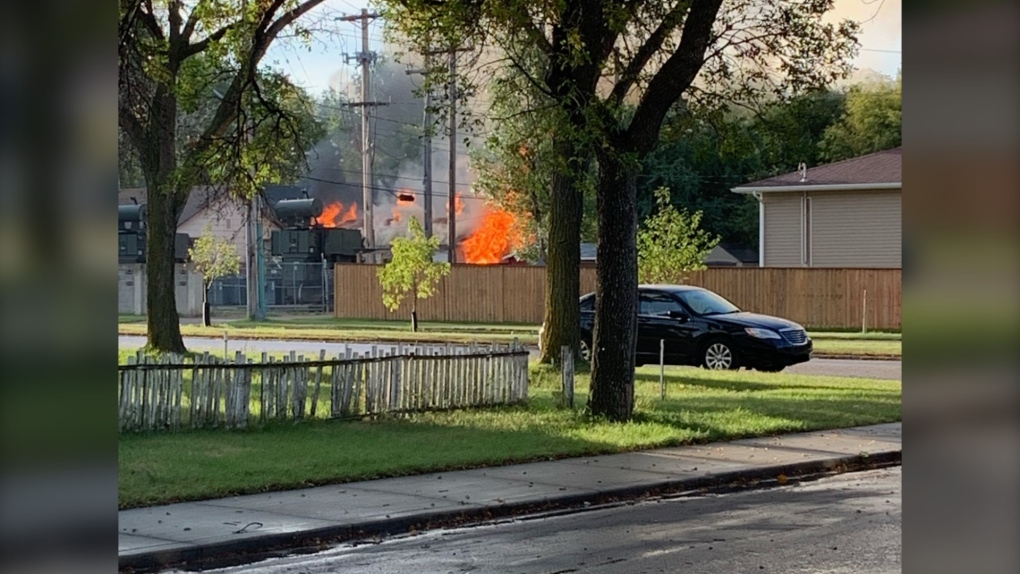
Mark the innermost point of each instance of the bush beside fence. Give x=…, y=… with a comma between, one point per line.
x=175, y=393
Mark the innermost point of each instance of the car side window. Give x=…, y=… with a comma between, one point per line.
x=588, y=303
x=657, y=303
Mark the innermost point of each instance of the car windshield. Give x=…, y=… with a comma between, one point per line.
x=705, y=302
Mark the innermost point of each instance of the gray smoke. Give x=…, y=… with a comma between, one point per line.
x=335, y=173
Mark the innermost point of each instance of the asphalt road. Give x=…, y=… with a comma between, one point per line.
x=844, y=524
x=874, y=369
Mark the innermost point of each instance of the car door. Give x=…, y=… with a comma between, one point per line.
x=655, y=324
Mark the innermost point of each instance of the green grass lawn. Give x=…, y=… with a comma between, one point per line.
x=860, y=348
x=701, y=406
x=329, y=329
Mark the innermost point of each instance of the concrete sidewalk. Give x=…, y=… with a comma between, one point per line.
x=154, y=537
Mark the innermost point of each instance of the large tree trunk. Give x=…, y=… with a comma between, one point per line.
x=561, y=323
x=164, y=202
x=612, y=377
x=164, y=327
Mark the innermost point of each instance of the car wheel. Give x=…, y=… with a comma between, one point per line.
x=585, y=350
x=719, y=355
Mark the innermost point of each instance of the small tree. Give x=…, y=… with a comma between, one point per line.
x=412, y=269
x=213, y=258
x=671, y=243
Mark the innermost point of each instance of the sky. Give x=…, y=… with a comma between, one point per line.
x=323, y=63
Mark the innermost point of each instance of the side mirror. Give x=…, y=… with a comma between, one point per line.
x=679, y=315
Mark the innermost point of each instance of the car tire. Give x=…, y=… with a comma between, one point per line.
x=718, y=354
x=585, y=349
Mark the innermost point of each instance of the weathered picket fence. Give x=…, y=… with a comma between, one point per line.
x=174, y=393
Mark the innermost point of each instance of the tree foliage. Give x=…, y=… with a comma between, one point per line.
x=613, y=70
x=197, y=108
x=701, y=155
x=412, y=270
x=671, y=243
x=872, y=122
x=214, y=257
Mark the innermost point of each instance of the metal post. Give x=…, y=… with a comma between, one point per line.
x=452, y=198
x=662, y=369
x=567, y=366
x=249, y=264
x=325, y=303
x=260, y=270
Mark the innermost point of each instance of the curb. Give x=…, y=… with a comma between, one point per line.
x=224, y=554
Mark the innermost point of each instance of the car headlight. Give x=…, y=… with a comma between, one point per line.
x=761, y=333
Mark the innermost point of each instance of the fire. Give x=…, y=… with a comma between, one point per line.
x=495, y=237
x=458, y=205
x=333, y=215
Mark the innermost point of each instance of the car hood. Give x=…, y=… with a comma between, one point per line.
x=745, y=319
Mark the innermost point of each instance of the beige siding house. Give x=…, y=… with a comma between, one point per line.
x=224, y=215
x=843, y=214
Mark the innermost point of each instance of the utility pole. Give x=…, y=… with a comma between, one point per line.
x=253, y=263
x=427, y=152
x=451, y=203
x=452, y=199
x=365, y=58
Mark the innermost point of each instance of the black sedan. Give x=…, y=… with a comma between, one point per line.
x=699, y=327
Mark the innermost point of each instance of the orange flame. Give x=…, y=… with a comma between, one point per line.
x=333, y=215
x=458, y=205
x=495, y=237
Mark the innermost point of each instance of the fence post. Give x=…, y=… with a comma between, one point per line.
x=864, y=312
x=318, y=383
x=567, y=360
x=662, y=369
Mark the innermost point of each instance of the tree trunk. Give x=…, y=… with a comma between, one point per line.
x=414, y=307
x=165, y=201
x=615, y=340
x=206, y=318
x=164, y=327
x=561, y=323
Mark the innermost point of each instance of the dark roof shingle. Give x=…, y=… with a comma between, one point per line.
x=875, y=168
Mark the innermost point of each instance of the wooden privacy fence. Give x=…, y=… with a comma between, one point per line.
x=814, y=297
x=206, y=392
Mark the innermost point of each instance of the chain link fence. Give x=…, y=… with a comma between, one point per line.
x=288, y=285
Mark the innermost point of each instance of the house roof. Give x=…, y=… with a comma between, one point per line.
x=204, y=197
x=200, y=198
x=730, y=254
x=880, y=170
